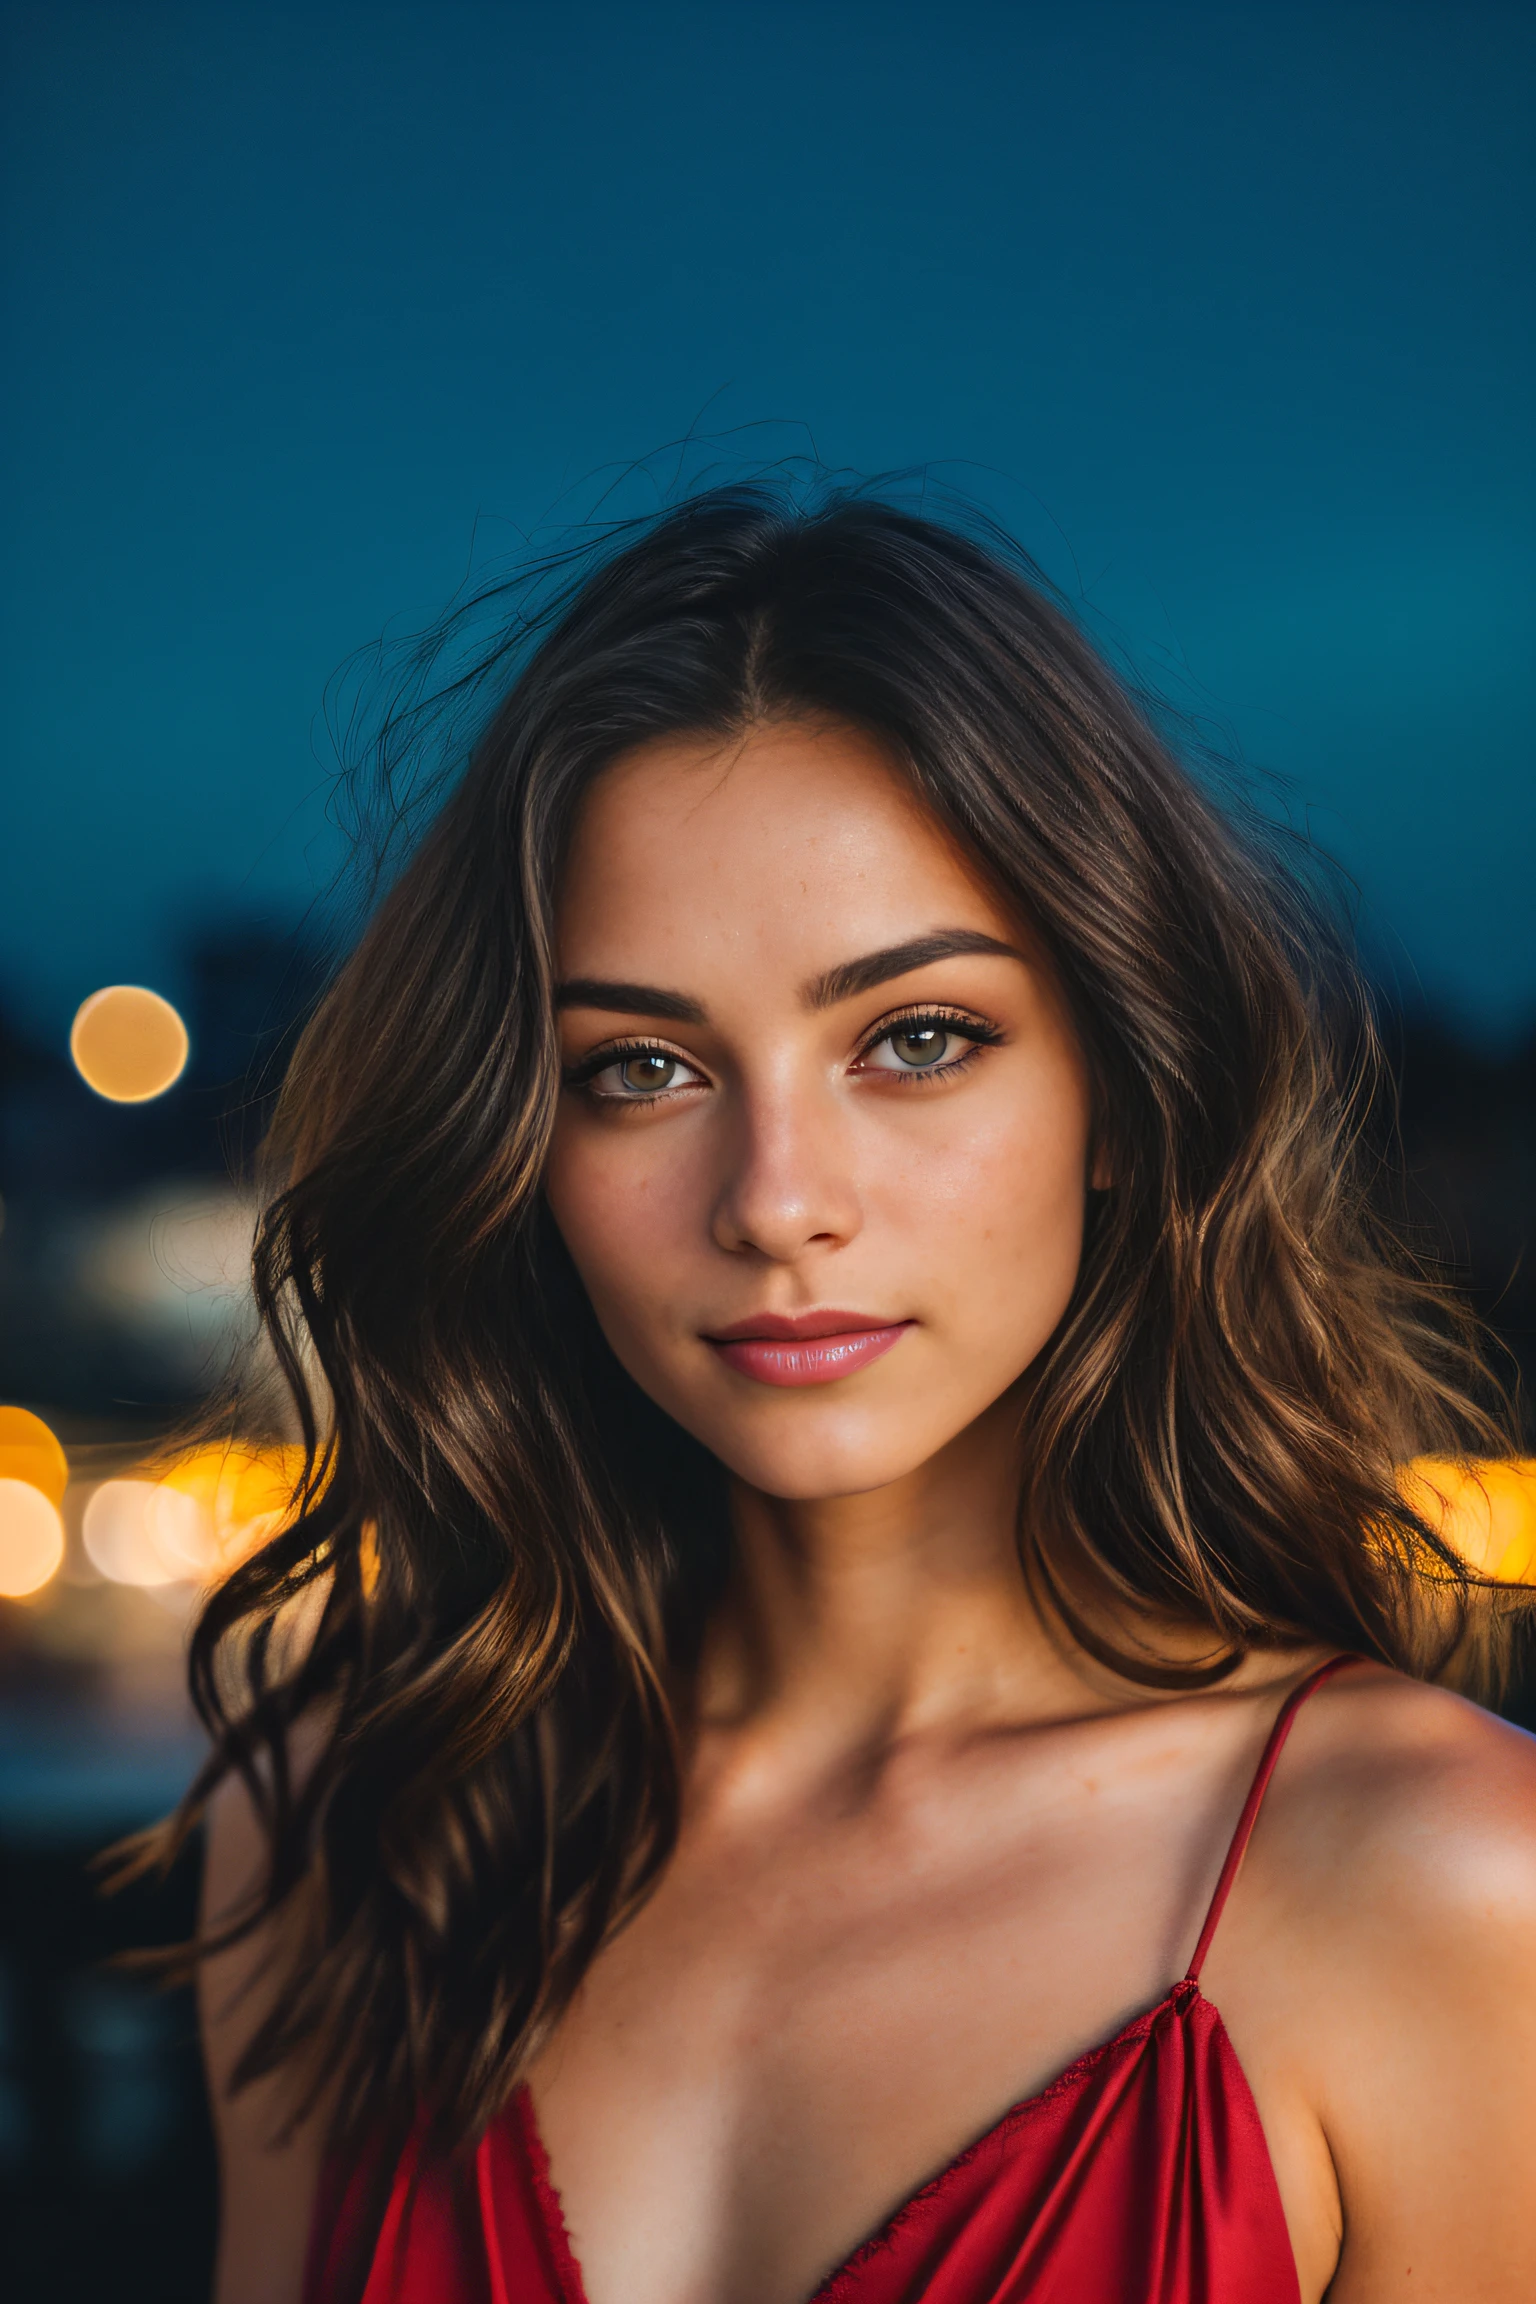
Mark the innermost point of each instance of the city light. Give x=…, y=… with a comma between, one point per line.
x=128, y=1044
x=243, y=1494
x=194, y=1520
x=137, y=1533
x=30, y=1452
x=31, y=1539
x=1487, y=1511
x=34, y=1473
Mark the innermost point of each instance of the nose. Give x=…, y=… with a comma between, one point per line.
x=789, y=1186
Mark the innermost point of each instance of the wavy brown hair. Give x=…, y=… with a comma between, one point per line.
x=504, y=1554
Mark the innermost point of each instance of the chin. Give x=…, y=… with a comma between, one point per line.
x=809, y=1466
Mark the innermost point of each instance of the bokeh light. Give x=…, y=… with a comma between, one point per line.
x=193, y=1520
x=128, y=1044
x=31, y=1539
x=29, y=1451
x=1487, y=1511
x=243, y=1494
x=137, y=1533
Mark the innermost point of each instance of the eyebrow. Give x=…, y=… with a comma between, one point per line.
x=843, y=982
x=629, y=999
x=854, y=976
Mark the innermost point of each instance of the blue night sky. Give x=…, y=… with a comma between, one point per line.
x=1228, y=310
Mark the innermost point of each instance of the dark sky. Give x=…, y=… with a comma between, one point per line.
x=1227, y=309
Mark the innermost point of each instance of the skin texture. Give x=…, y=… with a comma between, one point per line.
x=926, y=1858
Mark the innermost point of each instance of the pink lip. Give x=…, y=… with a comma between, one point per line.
x=805, y=1347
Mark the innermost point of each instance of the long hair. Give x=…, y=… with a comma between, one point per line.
x=503, y=1553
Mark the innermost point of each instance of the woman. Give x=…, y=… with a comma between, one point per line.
x=861, y=1405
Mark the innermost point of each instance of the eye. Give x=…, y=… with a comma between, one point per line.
x=634, y=1075
x=926, y=1044
x=916, y=1046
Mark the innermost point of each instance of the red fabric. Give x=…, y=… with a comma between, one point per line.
x=1139, y=2176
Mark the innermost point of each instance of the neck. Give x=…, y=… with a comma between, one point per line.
x=855, y=1621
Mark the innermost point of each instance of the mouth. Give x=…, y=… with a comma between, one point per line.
x=794, y=1348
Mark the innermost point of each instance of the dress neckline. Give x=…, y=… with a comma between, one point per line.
x=1177, y=2001
x=1082, y=2068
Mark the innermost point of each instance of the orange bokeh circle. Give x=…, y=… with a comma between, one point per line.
x=128, y=1044
x=1486, y=1510
x=29, y=1451
x=244, y=1493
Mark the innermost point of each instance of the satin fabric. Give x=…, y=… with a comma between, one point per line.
x=1139, y=2176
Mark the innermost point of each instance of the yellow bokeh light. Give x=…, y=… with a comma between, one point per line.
x=244, y=1494
x=29, y=1451
x=1487, y=1511
x=31, y=1539
x=193, y=1520
x=128, y=1044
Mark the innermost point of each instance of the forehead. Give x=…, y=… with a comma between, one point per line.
x=796, y=844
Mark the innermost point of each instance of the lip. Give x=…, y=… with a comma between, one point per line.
x=797, y=1348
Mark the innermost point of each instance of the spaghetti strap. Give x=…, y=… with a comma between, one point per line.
x=1251, y=1806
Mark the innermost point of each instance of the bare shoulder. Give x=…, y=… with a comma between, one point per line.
x=1404, y=1802
x=1390, y=1946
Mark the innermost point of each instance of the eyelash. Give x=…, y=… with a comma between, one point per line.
x=967, y=1026
x=621, y=1052
x=957, y=1020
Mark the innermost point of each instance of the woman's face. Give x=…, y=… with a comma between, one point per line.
x=822, y=1152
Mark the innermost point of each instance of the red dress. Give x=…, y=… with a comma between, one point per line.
x=1139, y=2176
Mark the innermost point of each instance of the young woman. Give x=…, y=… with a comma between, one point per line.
x=857, y=1404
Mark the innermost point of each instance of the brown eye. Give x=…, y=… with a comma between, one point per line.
x=926, y=1046
x=634, y=1076
x=919, y=1044
x=644, y=1075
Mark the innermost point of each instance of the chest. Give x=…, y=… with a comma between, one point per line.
x=821, y=2005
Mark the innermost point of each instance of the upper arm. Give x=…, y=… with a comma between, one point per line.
x=1426, y=2041
x=267, y=2178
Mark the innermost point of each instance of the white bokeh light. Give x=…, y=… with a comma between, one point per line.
x=140, y=1532
x=31, y=1539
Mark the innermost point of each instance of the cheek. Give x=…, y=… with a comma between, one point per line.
x=1003, y=1201
x=624, y=1215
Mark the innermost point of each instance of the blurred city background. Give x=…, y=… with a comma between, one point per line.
x=311, y=312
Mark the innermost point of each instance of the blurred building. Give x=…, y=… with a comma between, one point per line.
x=123, y=1294
x=1468, y=1120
